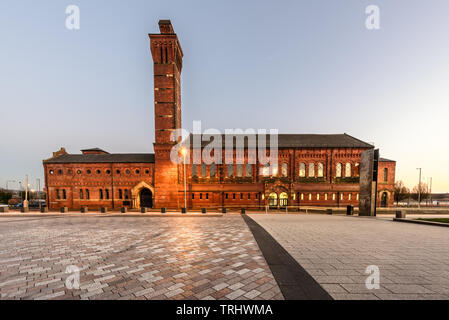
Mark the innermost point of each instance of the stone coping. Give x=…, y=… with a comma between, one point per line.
x=430, y=223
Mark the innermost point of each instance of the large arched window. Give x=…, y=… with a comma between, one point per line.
x=284, y=170
x=230, y=172
x=385, y=174
x=320, y=170
x=302, y=169
x=249, y=170
x=311, y=170
x=348, y=170
x=338, y=170
x=357, y=169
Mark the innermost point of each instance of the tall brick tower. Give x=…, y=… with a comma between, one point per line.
x=167, y=57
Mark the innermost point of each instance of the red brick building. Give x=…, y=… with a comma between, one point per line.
x=316, y=170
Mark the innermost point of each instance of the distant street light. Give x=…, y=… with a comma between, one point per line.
x=419, y=188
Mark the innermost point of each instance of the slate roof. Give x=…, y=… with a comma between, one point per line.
x=386, y=160
x=305, y=141
x=103, y=158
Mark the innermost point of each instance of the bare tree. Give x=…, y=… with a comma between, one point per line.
x=401, y=192
x=424, y=191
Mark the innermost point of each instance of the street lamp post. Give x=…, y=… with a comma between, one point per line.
x=25, y=202
x=184, y=153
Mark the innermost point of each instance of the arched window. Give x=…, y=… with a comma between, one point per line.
x=283, y=200
x=320, y=170
x=204, y=170
x=338, y=170
x=107, y=193
x=87, y=194
x=194, y=171
x=284, y=170
x=120, y=194
x=213, y=170
x=239, y=169
x=348, y=170
x=302, y=169
x=273, y=200
x=230, y=172
x=249, y=170
x=101, y=193
x=385, y=174
x=81, y=194
x=311, y=170
x=357, y=169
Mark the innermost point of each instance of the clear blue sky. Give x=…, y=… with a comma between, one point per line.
x=302, y=66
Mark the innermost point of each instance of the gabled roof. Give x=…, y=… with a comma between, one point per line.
x=103, y=158
x=300, y=141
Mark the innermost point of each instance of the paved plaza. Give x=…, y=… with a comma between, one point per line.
x=132, y=258
x=413, y=259
x=151, y=257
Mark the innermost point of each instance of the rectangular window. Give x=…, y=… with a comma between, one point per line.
x=213, y=170
x=126, y=194
x=349, y=196
x=302, y=196
x=230, y=172
x=193, y=196
x=233, y=196
x=81, y=194
x=120, y=193
x=201, y=196
x=207, y=196
x=241, y=196
x=318, y=196
x=101, y=194
x=249, y=196
x=310, y=196
x=257, y=196
x=249, y=170
x=325, y=196
x=239, y=170
x=341, y=196
x=58, y=195
x=357, y=196
x=87, y=194
x=226, y=196
x=333, y=196
x=64, y=194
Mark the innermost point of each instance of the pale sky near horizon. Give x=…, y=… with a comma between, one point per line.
x=300, y=66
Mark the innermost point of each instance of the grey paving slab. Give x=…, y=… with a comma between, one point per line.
x=413, y=260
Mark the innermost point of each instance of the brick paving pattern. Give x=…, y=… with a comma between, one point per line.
x=413, y=259
x=132, y=258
